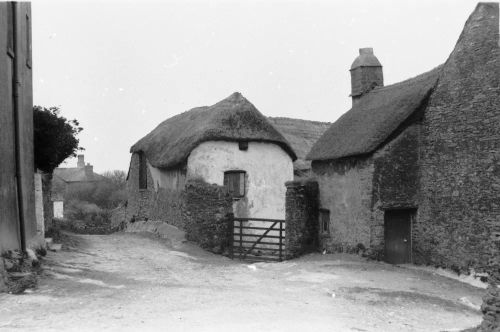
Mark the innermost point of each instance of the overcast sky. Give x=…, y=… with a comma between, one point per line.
x=122, y=67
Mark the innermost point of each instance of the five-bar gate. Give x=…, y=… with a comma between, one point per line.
x=258, y=239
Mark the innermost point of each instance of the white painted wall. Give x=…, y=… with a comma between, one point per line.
x=267, y=168
x=58, y=209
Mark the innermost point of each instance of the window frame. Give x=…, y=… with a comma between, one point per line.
x=241, y=180
x=28, y=41
x=322, y=214
x=11, y=29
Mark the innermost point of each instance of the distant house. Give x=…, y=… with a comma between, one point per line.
x=67, y=179
x=229, y=144
x=18, y=228
x=301, y=134
x=412, y=171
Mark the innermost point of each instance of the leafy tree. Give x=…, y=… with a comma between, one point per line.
x=107, y=194
x=55, y=137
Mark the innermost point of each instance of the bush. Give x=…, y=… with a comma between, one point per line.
x=107, y=194
x=85, y=217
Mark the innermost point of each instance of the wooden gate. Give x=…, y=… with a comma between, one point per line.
x=265, y=242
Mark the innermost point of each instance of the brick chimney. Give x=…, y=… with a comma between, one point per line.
x=89, y=172
x=81, y=161
x=366, y=74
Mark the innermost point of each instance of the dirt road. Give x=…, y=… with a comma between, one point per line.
x=130, y=282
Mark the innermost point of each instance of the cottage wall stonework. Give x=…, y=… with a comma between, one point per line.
x=202, y=210
x=345, y=188
x=302, y=231
x=460, y=155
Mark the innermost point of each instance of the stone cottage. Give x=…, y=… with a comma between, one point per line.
x=208, y=162
x=412, y=170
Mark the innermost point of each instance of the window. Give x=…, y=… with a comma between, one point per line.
x=28, y=41
x=10, y=29
x=243, y=145
x=234, y=181
x=324, y=221
x=143, y=171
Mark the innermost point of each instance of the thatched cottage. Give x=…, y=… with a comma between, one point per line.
x=229, y=145
x=412, y=170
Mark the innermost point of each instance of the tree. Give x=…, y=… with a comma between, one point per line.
x=54, y=137
x=107, y=194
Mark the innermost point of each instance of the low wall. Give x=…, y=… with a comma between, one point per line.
x=301, y=233
x=207, y=215
x=202, y=210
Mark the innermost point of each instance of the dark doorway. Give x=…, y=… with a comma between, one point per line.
x=398, y=235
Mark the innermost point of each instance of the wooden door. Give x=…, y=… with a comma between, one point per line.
x=398, y=236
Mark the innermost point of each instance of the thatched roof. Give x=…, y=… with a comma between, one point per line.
x=302, y=134
x=373, y=118
x=232, y=119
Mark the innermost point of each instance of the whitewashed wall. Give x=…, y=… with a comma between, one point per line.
x=267, y=168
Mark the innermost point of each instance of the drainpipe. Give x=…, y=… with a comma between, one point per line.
x=19, y=176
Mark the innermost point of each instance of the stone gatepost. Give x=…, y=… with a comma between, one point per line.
x=301, y=232
x=40, y=222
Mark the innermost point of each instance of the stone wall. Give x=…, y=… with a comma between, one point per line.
x=138, y=200
x=345, y=190
x=200, y=209
x=395, y=179
x=301, y=234
x=207, y=215
x=460, y=155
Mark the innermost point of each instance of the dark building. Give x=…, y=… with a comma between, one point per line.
x=412, y=171
x=17, y=195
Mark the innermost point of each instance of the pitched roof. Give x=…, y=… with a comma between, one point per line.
x=302, y=134
x=373, y=118
x=377, y=114
x=232, y=119
x=76, y=174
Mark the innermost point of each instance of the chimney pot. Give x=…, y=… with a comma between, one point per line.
x=81, y=161
x=366, y=50
x=366, y=74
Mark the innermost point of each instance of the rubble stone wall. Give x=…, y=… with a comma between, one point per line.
x=302, y=231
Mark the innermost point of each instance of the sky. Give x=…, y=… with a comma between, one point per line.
x=122, y=67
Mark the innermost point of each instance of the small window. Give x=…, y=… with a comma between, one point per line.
x=234, y=182
x=324, y=220
x=243, y=145
x=143, y=172
x=10, y=29
x=28, y=41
